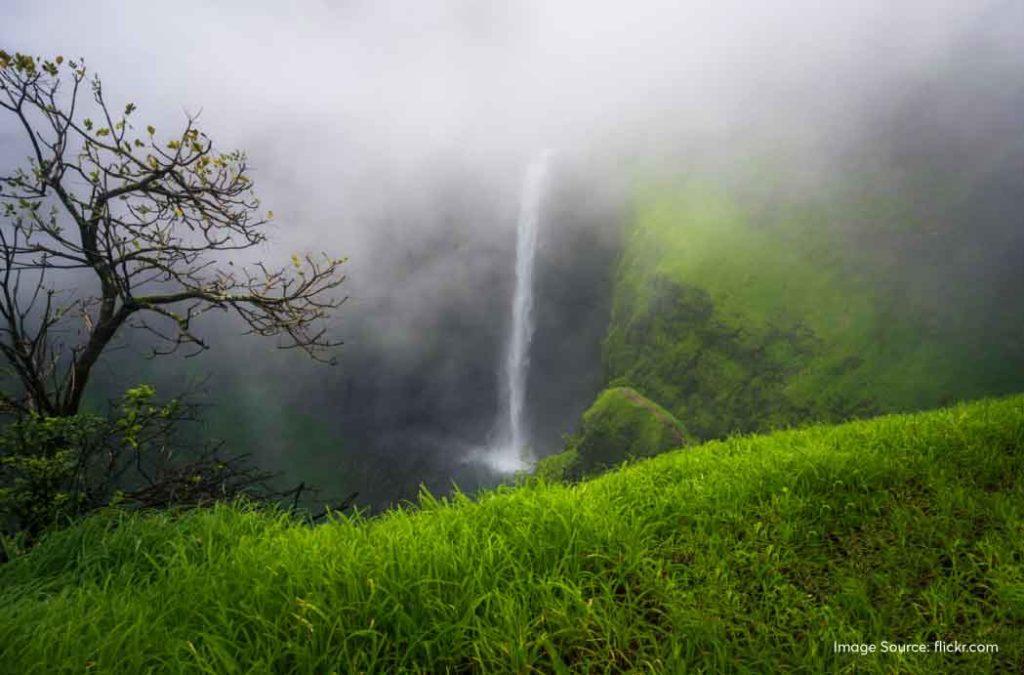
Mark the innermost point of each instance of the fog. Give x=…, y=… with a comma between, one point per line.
x=396, y=133
x=343, y=105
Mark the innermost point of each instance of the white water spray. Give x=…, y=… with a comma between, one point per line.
x=510, y=455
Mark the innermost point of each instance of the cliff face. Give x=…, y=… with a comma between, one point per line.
x=741, y=315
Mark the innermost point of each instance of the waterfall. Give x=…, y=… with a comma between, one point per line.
x=510, y=453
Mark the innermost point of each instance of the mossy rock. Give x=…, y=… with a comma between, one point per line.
x=622, y=424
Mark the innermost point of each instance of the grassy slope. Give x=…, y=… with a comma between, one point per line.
x=749, y=554
x=801, y=324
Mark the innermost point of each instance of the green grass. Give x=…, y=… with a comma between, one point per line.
x=747, y=555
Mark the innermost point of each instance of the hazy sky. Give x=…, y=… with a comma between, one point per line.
x=338, y=99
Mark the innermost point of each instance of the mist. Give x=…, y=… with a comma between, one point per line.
x=397, y=134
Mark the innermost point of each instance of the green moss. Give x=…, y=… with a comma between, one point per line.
x=620, y=425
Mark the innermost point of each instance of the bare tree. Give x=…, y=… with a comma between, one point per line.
x=143, y=224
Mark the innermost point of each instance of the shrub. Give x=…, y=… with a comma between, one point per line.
x=55, y=469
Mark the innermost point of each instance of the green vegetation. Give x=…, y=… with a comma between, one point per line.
x=753, y=554
x=620, y=425
x=559, y=466
x=53, y=469
x=742, y=316
x=56, y=469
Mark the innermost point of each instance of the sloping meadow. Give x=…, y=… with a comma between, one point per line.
x=754, y=554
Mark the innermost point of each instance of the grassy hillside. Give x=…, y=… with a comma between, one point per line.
x=740, y=314
x=753, y=554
